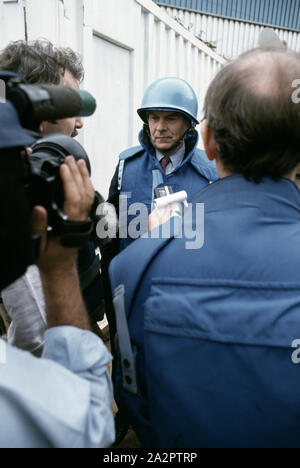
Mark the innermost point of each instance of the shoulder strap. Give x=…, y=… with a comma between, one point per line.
x=204, y=166
x=4, y=320
x=125, y=155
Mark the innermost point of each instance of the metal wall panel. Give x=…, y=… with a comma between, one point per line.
x=11, y=20
x=282, y=13
x=112, y=90
x=229, y=38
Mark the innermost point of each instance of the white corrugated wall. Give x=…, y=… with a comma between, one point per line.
x=230, y=37
x=125, y=44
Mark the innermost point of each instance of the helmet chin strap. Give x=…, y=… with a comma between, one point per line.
x=177, y=143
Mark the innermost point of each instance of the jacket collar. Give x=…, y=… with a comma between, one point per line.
x=196, y=157
x=191, y=142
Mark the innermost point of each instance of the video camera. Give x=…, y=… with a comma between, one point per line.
x=26, y=181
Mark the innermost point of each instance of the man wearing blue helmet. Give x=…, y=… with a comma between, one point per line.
x=168, y=153
x=167, y=156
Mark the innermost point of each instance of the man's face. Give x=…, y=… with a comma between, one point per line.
x=166, y=128
x=67, y=126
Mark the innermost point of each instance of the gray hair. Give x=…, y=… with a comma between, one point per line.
x=40, y=61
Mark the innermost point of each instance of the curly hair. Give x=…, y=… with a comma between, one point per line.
x=40, y=61
x=70, y=60
x=250, y=111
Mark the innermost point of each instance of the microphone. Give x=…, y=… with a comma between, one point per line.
x=35, y=103
x=68, y=102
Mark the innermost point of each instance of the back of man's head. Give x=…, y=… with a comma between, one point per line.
x=40, y=61
x=253, y=116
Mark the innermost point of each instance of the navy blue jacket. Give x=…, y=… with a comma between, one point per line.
x=137, y=175
x=212, y=329
x=142, y=173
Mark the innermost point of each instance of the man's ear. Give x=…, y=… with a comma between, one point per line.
x=210, y=145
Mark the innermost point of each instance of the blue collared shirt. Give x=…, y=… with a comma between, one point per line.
x=175, y=160
x=63, y=399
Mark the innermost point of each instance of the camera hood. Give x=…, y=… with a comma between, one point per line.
x=61, y=145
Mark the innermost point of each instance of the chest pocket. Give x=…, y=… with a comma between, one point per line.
x=218, y=362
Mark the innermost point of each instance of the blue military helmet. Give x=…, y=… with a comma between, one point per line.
x=12, y=135
x=170, y=94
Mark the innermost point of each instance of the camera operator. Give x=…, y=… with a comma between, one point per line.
x=63, y=399
x=41, y=62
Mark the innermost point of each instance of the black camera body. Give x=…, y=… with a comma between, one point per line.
x=45, y=187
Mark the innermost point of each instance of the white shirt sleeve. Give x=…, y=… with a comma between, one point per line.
x=25, y=304
x=63, y=399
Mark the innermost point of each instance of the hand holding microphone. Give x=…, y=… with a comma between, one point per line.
x=166, y=205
